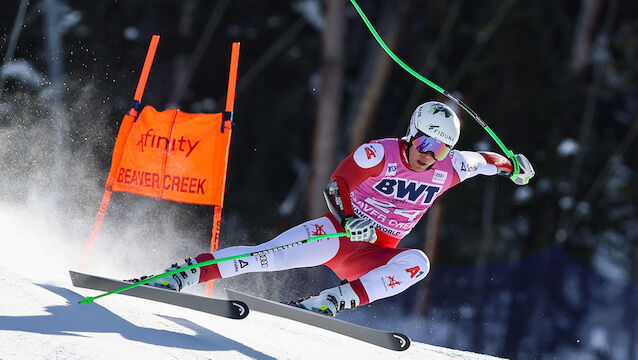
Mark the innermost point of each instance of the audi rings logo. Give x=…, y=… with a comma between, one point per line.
x=263, y=260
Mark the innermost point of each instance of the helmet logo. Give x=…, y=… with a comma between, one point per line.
x=433, y=127
x=434, y=109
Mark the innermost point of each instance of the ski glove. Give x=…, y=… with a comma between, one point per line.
x=526, y=170
x=361, y=230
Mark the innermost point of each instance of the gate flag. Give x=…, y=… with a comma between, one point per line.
x=174, y=155
x=171, y=154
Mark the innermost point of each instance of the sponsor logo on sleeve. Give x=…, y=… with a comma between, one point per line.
x=368, y=155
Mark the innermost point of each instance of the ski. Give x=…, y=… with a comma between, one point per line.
x=386, y=339
x=233, y=309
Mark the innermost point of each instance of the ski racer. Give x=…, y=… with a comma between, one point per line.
x=377, y=195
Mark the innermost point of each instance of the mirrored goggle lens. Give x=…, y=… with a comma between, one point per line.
x=425, y=143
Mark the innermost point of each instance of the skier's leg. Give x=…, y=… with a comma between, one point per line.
x=387, y=273
x=399, y=273
x=310, y=254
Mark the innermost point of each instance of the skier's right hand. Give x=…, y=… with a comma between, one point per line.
x=526, y=170
x=360, y=230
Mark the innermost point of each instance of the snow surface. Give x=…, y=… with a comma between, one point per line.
x=43, y=320
x=40, y=317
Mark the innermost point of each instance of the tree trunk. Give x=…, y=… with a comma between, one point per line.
x=375, y=77
x=581, y=45
x=13, y=40
x=565, y=224
x=328, y=106
x=184, y=66
x=430, y=247
x=431, y=61
x=481, y=274
x=54, y=56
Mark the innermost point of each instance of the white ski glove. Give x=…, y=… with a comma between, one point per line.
x=361, y=230
x=526, y=170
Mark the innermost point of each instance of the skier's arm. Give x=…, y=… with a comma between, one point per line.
x=469, y=164
x=366, y=161
x=504, y=166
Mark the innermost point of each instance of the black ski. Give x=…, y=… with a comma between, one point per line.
x=386, y=339
x=227, y=308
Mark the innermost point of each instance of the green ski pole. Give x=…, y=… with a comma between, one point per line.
x=90, y=299
x=474, y=115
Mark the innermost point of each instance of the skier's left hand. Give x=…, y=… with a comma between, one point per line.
x=361, y=230
x=526, y=171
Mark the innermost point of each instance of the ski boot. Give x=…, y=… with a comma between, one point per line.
x=330, y=301
x=175, y=282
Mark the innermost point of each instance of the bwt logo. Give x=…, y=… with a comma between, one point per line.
x=156, y=141
x=407, y=190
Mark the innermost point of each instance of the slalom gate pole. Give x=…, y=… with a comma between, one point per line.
x=90, y=299
x=214, y=243
x=229, y=109
x=508, y=153
x=146, y=69
x=106, y=198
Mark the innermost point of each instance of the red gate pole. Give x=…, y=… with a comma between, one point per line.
x=108, y=190
x=230, y=107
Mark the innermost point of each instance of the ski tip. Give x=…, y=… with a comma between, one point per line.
x=241, y=308
x=402, y=341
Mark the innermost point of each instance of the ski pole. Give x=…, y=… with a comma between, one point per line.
x=90, y=299
x=474, y=115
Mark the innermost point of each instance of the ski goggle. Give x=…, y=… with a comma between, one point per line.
x=424, y=144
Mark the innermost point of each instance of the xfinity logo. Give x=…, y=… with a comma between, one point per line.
x=408, y=190
x=156, y=141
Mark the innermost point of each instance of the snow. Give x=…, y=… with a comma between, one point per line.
x=41, y=318
x=131, y=33
x=568, y=147
x=311, y=11
x=23, y=71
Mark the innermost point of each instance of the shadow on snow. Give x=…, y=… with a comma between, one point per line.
x=74, y=317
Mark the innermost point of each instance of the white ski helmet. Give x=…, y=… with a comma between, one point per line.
x=435, y=120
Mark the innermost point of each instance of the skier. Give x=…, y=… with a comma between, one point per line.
x=377, y=194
